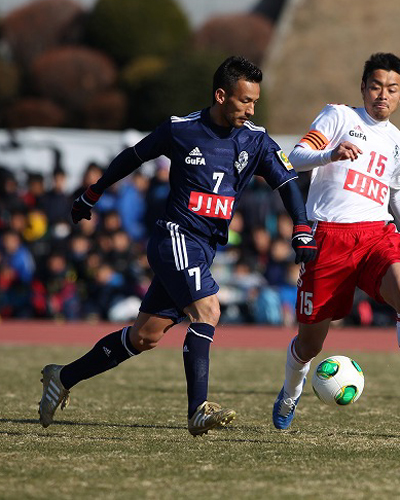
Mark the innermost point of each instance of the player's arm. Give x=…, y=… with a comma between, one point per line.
x=302, y=239
x=315, y=150
x=304, y=158
x=126, y=162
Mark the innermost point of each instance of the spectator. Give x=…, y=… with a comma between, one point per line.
x=121, y=254
x=15, y=294
x=16, y=272
x=254, y=205
x=36, y=225
x=111, y=221
x=284, y=226
x=157, y=193
x=18, y=220
x=9, y=197
x=92, y=174
x=104, y=245
x=90, y=227
x=107, y=290
x=55, y=203
x=280, y=255
x=55, y=293
x=17, y=256
x=80, y=247
x=131, y=205
x=235, y=232
x=32, y=196
x=287, y=294
x=258, y=248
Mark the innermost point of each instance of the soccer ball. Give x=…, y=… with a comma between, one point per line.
x=338, y=381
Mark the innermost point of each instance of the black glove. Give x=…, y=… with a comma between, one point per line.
x=82, y=206
x=303, y=243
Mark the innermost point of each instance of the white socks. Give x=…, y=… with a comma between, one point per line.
x=296, y=371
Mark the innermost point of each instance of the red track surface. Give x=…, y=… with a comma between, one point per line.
x=232, y=336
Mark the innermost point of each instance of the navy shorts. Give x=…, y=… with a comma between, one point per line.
x=181, y=264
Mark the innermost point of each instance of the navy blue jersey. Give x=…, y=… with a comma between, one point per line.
x=210, y=167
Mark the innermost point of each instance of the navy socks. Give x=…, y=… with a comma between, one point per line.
x=196, y=358
x=109, y=352
x=115, y=348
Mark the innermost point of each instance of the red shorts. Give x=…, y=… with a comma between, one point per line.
x=349, y=256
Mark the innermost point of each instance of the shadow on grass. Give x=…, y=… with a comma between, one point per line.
x=91, y=424
x=97, y=438
x=224, y=434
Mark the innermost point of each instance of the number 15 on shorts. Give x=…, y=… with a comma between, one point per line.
x=306, y=304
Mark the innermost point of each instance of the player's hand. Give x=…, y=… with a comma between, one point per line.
x=303, y=244
x=345, y=151
x=82, y=206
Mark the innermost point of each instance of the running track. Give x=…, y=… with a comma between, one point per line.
x=232, y=336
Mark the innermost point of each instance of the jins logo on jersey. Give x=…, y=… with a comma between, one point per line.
x=211, y=205
x=366, y=186
x=195, y=157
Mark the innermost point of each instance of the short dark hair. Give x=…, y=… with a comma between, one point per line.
x=233, y=69
x=381, y=60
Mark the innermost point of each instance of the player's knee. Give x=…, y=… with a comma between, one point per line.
x=148, y=343
x=213, y=315
x=144, y=341
x=209, y=315
x=205, y=310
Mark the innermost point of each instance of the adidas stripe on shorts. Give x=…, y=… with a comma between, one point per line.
x=181, y=264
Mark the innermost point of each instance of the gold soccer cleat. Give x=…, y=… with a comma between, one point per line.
x=54, y=394
x=209, y=416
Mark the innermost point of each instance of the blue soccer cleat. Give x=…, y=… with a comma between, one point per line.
x=283, y=412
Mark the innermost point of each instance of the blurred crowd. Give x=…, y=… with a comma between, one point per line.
x=51, y=268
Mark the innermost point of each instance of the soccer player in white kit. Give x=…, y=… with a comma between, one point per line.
x=354, y=155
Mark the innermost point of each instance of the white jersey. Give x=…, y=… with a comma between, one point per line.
x=352, y=191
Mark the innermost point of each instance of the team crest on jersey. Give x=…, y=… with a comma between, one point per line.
x=284, y=160
x=396, y=154
x=242, y=161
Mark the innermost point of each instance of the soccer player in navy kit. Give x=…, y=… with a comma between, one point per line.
x=214, y=153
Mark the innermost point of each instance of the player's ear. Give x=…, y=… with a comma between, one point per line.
x=362, y=88
x=220, y=96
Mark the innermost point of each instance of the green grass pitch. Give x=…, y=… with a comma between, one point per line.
x=124, y=435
